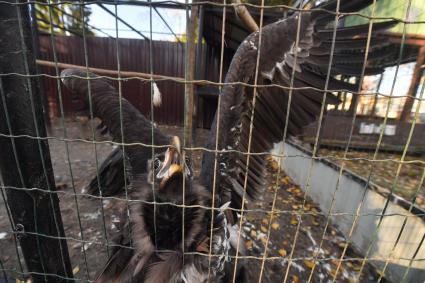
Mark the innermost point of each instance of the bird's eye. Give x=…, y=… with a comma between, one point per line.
x=156, y=164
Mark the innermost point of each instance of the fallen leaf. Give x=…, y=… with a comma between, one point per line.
x=275, y=226
x=294, y=221
x=249, y=244
x=75, y=270
x=265, y=221
x=282, y=252
x=263, y=229
x=285, y=242
x=309, y=263
x=295, y=279
x=284, y=180
x=263, y=240
x=332, y=272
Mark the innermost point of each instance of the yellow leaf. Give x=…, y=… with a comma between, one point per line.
x=341, y=245
x=282, y=252
x=332, y=272
x=265, y=221
x=285, y=242
x=315, y=223
x=294, y=221
x=275, y=166
x=275, y=226
x=249, y=244
x=309, y=263
x=75, y=270
x=263, y=240
x=295, y=279
x=284, y=180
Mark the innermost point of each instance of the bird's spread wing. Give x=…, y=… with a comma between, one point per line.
x=110, y=178
x=280, y=57
x=106, y=106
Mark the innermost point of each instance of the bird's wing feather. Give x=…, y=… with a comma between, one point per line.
x=111, y=176
x=106, y=106
x=280, y=57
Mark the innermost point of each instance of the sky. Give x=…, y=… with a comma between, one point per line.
x=138, y=17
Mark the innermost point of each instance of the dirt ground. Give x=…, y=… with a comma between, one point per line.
x=98, y=225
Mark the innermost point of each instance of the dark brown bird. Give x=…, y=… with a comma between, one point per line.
x=152, y=242
x=283, y=62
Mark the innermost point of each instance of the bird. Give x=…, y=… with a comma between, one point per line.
x=293, y=56
x=151, y=243
x=279, y=58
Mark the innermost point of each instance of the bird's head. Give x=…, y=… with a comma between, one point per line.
x=169, y=168
x=174, y=187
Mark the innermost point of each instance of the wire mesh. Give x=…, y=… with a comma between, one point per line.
x=290, y=261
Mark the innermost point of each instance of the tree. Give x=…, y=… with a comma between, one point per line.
x=75, y=19
x=66, y=19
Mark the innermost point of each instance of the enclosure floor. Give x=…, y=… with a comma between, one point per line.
x=283, y=226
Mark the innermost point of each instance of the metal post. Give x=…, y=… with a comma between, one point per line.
x=40, y=81
x=198, y=61
x=190, y=75
x=25, y=160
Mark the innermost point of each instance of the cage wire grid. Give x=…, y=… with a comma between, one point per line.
x=151, y=77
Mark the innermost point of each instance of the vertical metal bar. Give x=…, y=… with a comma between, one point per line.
x=65, y=134
x=198, y=69
x=93, y=132
x=190, y=75
x=220, y=79
x=33, y=212
x=337, y=187
x=282, y=150
x=251, y=129
x=322, y=110
x=152, y=115
x=412, y=259
x=375, y=154
x=117, y=46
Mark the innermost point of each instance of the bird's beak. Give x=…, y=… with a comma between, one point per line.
x=172, y=164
